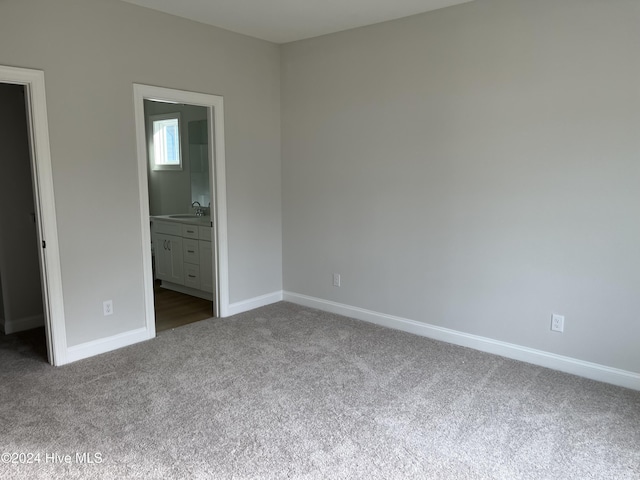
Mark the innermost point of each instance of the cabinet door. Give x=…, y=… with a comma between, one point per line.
x=169, y=258
x=161, y=256
x=206, y=266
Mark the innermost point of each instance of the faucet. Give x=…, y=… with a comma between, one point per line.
x=199, y=209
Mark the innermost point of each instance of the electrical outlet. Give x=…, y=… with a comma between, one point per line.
x=557, y=323
x=336, y=279
x=107, y=307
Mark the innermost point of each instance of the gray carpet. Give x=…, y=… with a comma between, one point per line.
x=291, y=392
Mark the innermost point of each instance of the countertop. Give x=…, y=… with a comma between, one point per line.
x=184, y=218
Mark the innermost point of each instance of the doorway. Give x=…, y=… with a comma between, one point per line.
x=31, y=286
x=21, y=305
x=186, y=231
x=179, y=203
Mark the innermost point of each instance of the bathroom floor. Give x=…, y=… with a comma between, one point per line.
x=174, y=309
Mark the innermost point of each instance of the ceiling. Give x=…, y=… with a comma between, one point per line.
x=282, y=21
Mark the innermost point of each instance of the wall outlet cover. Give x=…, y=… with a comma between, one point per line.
x=557, y=323
x=107, y=307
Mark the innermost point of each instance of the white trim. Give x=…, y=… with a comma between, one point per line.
x=255, y=302
x=215, y=106
x=21, y=324
x=51, y=274
x=218, y=174
x=103, y=345
x=143, y=190
x=582, y=368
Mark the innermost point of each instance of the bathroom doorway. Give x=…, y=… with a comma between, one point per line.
x=179, y=203
x=180, y=138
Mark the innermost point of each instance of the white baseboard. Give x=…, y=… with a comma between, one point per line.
x=582, y=368
x=21, y=324
x=103, y=345
x=252, y=303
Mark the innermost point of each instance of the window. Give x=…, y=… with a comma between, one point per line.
x=165, y=139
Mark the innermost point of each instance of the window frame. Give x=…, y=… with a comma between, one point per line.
x=159, y=117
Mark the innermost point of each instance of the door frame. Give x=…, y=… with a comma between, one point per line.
x=217, y=182
x=46, y=223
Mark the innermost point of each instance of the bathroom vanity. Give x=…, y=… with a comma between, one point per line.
x=183, y=253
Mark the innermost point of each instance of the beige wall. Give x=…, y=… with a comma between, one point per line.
x=475, y=168
x=92, y=51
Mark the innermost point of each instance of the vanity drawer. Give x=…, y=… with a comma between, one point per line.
x=168, y=228
x=192, y=275
x=191, y=251
x=205, y=233
x=190, y=231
